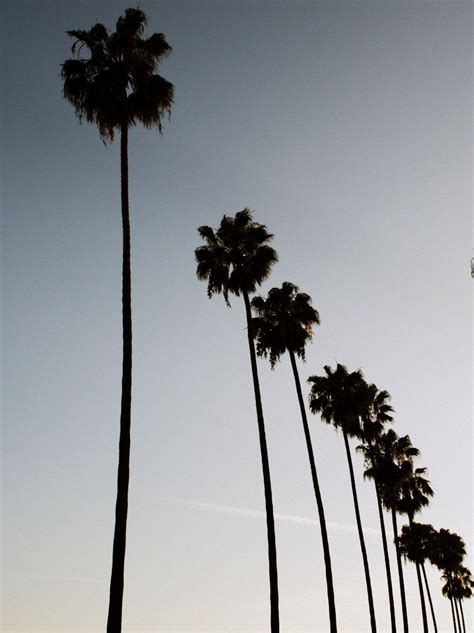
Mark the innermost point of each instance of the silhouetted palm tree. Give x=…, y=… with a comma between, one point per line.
x=448, y=554
x=285, y=322
x=450, y=590
x=342, y=398
x=236, y=259
x=115, y=87
x=391, y=466
x=460, y=586
x=416, y=545
x=372, y=427
x=415, y=494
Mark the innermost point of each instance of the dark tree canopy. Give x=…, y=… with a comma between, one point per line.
x=341, y=397
x=117, y=83
x=416, y=542
x=284, y=322
x=236, y=257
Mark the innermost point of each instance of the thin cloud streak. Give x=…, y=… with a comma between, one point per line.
x=215, y=508
x=56, y=577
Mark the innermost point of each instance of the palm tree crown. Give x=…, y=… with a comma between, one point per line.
x=391, y=465
x=415, y=492
x=117, y=84
x=341, y=397
x=416, y=542
x=284, y=322
x=379, y=412
x=449, y=550
x=236, y=257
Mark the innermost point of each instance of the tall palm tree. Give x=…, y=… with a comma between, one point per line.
x=416, y=545
x=236, y=258
x=285, y=322
x=415, y=494
x=342, y=398
x=114, y=87
x=451, y=591
x=391, y=465
x=373, y=423
x=460, y=586
x=448, y=554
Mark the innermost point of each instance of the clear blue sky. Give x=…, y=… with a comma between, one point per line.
x=346, y=126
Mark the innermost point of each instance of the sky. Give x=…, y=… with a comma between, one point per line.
x=346, y=127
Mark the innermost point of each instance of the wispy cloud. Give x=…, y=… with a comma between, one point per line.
x=215, y=508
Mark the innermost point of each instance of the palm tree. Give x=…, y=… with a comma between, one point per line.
x=237, y=258
x=342, y=399
x=415, y=494
x=285, y=322
x=416, y=545
x=391, y=466
x=373, y=423
x=448, y=554
x=115, y=87
x=461, y=584
x=450, y=590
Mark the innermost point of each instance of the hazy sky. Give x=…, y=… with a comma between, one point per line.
x=346, y=126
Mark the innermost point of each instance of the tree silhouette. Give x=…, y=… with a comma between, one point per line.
x=390, y=467
x=373, y=424
x=459, y=584
x=416, y=542
x=342, y=398
x=448, y=554
x=237, y=258
x=415, y=493
x=115, y=87
x=284, y=322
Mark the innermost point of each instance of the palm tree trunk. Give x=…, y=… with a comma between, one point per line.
x=400, y=572
x=319, y=501
x=457, y=614
x=272, y=554
x=454, y=616
x=420, y=588
x=428, y=593
x=462, y=616
x=422, y=599
x=387, y=561
x=370, y=598
x=114, y=620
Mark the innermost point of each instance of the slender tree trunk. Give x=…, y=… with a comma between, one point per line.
x=272, y=553
x=319, y=501
x=462, y=616
x=387, y=561
x=114, y=620
x=422, y=599
x=400, y=572
x=428, y=593
x=457, y=614
x=370, y=598
x=454, y=616
x=420, y=588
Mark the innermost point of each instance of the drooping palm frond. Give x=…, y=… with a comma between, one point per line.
x=117, y=83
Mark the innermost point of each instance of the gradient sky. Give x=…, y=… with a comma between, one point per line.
x=346, y=126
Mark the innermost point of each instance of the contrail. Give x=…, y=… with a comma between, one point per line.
x=258, y=514
x=56, y=577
